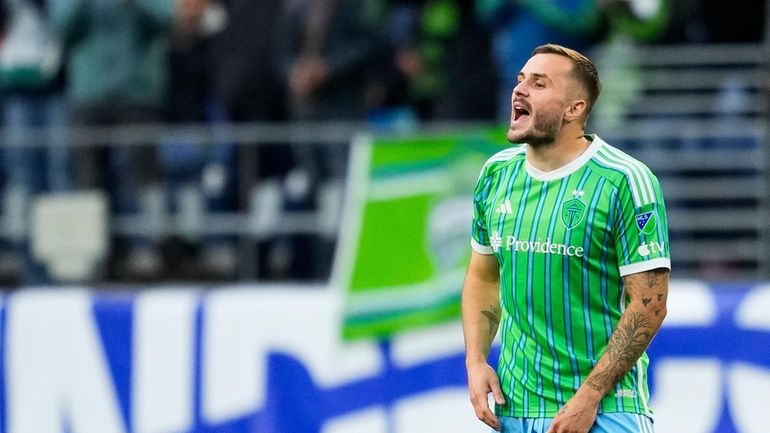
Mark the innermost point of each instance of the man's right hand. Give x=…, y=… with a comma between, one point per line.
x=482, y=380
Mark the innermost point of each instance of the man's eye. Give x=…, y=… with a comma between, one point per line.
x=539, y=86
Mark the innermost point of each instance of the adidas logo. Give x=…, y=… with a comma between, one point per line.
x=504, y=208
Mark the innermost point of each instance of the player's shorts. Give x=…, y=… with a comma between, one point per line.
x=605, y=423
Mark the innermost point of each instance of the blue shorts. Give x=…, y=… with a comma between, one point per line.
x=620, y=422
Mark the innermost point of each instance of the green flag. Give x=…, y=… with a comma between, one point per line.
x=404, y=242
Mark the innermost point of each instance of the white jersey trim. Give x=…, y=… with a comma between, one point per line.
x=631, y=184
x=571, y=167
x=503, y=155
x=481, y=249
x=641, y=171
x=637, y=174
x=647, y=265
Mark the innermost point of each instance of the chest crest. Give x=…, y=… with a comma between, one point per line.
x=573, y=210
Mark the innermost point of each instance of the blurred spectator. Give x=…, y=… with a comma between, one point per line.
x=117, y=73
x=188, y=64
x=185, y=162
x=638, y=20
x=245, y=81
x=702, y=21
x=443, y=55
x=244, y=77
x=628, y=23
x=519, y=26
x=31, y=82
x=325, y=49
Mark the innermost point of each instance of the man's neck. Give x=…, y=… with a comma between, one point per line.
x=552, y=156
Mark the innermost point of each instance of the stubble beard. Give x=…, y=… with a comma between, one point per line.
x=543, y=131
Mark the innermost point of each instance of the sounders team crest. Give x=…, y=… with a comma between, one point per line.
x=573, y=210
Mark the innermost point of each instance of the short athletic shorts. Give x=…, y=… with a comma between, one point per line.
x=605, y=423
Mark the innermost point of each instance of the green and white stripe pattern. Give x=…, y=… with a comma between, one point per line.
x=563, y=241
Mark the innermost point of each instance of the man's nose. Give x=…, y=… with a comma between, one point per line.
x=519, y=89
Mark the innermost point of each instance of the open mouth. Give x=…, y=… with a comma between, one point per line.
x=519, y=111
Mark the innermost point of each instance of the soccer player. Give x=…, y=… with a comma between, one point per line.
x=570, y=261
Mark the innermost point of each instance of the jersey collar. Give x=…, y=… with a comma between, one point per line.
x=571, y=167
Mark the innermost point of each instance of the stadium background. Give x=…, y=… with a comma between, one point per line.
x=248, y=215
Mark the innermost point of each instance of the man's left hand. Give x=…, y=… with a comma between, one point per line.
x=577, y=416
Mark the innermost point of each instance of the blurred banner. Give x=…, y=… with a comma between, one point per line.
x=405, y=235
x=271, y=360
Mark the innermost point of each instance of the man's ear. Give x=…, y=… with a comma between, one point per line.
x=575, y=110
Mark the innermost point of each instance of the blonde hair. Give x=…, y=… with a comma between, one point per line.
x=584, y=70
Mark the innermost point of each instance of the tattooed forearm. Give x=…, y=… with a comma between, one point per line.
x=635, y=330
x=493, y=317
x=630, y=338
x=603, y=380
x=628, y=342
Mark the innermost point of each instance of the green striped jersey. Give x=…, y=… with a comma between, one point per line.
x=563, y=241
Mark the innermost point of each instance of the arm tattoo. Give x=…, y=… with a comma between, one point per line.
x=654, y=278
x=632, y=334
x=493, y=317
x=608, y=376
x=626, y=345
x=630, y=339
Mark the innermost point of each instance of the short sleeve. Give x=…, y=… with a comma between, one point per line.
x=479, y=233
x=641, y=226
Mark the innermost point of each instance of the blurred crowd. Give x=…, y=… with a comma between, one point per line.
x=387, y=62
